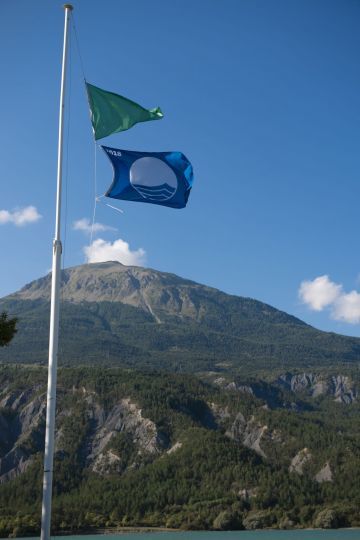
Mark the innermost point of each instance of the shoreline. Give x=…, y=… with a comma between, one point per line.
x=142, y=529
x=115, y=530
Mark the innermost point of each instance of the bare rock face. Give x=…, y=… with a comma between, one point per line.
x=249, y=433
x=300, y=382
x=338, y=386
x=343, y=390
x=14, y=400
x=14, y=463
x=221, y=414
x=157, y=293
x=32, y=415
x=262, y=390
x=105, y=462
x=175, y=447
x=299, y=461
x=325, y=474
x=242, y=388
x=21, y=420
x=123, y=417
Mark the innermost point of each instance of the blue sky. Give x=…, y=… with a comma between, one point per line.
x=262, y=96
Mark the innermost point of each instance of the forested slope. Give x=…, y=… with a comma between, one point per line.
x=155, y=449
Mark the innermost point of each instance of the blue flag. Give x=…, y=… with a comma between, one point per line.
x=152, y=177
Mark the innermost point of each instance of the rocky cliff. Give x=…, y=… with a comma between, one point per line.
x=119, y=435
x=154, y=448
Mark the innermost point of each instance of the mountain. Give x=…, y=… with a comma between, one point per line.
x=130, y=316
x=169, y=450
x=214, y=412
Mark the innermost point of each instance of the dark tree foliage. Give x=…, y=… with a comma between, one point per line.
x=7, y=328
x=211, y=481
x=232, y=333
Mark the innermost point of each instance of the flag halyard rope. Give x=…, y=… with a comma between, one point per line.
x=95, y=192
x=97, y=199
x=78, y=46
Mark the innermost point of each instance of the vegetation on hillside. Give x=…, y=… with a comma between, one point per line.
x=116, y=334
x=7, y=328
x=198, y=477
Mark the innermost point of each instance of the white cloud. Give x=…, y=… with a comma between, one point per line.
x=85, y=226
x=347, y=308
x=119, y=250
x=319, y=293
x=20, y=217
x=322, y=292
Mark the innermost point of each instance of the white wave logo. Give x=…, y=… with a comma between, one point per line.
x=153, y=179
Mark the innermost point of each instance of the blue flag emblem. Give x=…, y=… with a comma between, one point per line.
x=163, y=178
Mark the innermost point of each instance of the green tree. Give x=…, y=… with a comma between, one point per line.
x=227, y=521
x=7, y=328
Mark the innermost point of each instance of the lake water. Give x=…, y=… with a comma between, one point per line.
x=338, y=534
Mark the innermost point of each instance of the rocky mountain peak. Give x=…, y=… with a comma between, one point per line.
x=160, y=294
x=118, y=313
x=112, y=281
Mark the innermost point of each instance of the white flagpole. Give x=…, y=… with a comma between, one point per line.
x=54, y=313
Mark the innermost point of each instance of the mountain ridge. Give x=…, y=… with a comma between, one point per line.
x=214, y=412
x=135, y=278
x=132, y=316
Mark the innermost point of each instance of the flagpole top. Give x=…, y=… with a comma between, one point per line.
x=68, y=6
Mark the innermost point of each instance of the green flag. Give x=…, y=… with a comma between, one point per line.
x=111, y=113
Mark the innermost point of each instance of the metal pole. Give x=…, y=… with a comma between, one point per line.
x=54, y=314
